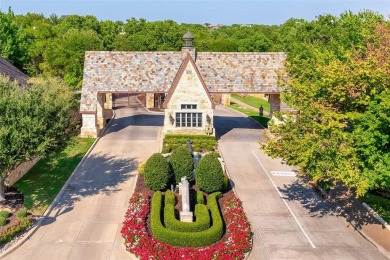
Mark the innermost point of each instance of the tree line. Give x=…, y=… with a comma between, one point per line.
x=55, y=45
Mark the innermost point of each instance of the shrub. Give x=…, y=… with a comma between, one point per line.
x=186, y=239
x=225, y=183
x=9, y=232
x=209, y=173
x=4, y=214
x=156, y=172
x=3, y=221
x=21, y=213
x=202, y=219
x=199, y=197
x=170, y=198
x=182, y=164
x=141, y=168
x=199, y=142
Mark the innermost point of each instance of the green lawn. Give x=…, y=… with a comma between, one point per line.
x=43, y=182
x=252, y=101
x=250, y=113
x=379, y=205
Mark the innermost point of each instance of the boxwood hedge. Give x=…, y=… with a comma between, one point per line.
x=202, y=219
x=187, y=239
x=170, y=198
x=156, y=172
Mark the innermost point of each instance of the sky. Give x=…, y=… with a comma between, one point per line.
x=227, y=12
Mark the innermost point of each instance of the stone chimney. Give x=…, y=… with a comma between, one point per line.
x=188, y=45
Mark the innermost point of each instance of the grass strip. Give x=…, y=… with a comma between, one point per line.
x=250, y=113
x=379, y=205
x=252, y=101
x=43, y=182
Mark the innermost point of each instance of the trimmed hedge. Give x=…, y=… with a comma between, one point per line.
x=202, y=219
x=182, y=163
x=199, y=197
x=199, y=142
x=209, y=173
x=170, y=198
x=187, y=239
x=157, y=172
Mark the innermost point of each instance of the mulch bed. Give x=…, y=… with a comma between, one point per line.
x=13, y=202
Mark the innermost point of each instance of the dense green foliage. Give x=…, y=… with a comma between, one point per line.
x=35, y=120
x=379, y=204
x=3, y=221
x=199, y=197
x=22, y=213
x=202, y=219
x=157, y=172
x=209, y=173
x=186, y=239
x=199, y=142
x=4, y=214
x=342, y=91
x=182, y=164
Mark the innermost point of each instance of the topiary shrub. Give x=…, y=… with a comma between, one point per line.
x=182, y=164
x=21, y=213
x=156, y=172
x=202, y=219
x=209, y=173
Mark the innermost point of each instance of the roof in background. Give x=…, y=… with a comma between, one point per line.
x=9, y=70
x=224, y=72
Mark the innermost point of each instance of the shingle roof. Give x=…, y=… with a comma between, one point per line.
x=9, y=70
x=155, y=72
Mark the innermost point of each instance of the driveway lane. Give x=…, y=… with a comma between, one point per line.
x=86, y=222
x=281, y=216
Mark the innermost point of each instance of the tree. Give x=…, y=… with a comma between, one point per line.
x=342, y=130
x=64, y=56
x=35, y=121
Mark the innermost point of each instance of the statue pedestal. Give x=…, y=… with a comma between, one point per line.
x=186, y=216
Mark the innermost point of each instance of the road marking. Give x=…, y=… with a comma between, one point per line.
x=283, y=173
x=285, y=203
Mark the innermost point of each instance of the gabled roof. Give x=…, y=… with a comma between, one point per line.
x=222, y=72
x=10, y=71
x=178, y=77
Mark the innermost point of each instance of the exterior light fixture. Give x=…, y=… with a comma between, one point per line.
x=171, y=119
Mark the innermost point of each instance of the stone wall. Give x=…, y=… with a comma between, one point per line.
x=20, y=171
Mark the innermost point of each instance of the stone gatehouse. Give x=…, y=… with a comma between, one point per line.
x=187, y=79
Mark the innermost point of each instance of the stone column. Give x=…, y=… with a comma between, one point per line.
x=100, y=111
x=108, y=103
x=149, y=100
x=225, y=100
x=274, y=101
x=89, y=128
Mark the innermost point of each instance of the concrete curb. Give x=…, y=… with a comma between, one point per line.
x=55, y=201
x=339, y=210
x=376, y=215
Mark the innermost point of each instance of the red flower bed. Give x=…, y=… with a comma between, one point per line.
x=138, y=241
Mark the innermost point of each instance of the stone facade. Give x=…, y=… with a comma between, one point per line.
x=188, y=90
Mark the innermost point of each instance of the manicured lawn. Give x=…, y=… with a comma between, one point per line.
x=379, y=205
x=261, y=119
x=43, y=182
x=253, y=101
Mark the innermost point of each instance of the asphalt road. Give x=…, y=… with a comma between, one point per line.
x=86, y=222
x=289, y=220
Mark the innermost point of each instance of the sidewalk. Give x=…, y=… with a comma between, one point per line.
x=360, y=218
